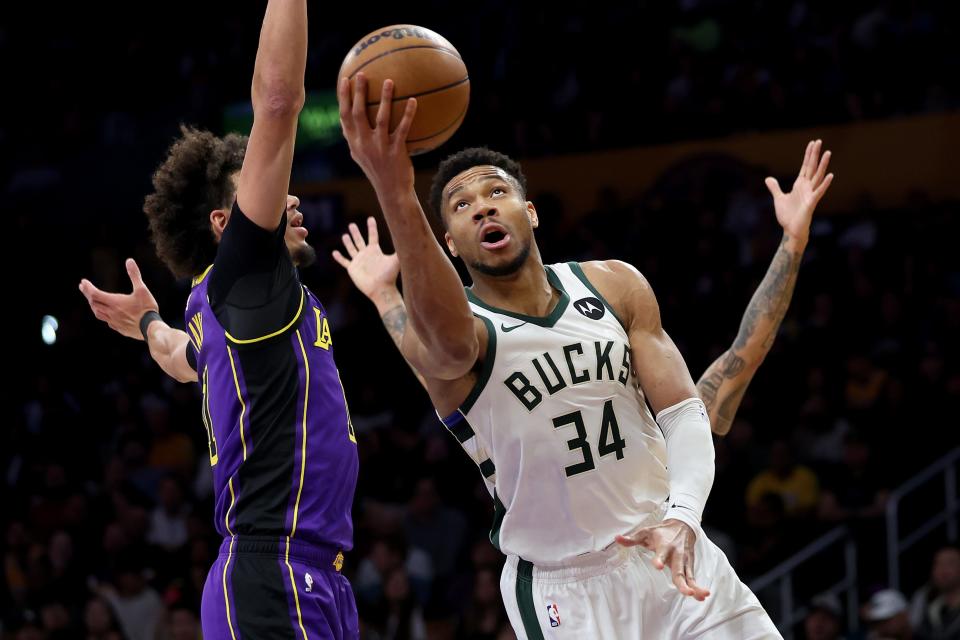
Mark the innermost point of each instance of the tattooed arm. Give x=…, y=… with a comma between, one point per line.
x=395, y=321
x=725, y=382
x=375, y=274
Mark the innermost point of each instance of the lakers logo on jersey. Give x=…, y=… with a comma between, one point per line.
x=323, y=330
x=589, y=307
x=196, y=330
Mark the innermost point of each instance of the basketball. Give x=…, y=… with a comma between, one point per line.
x=422, y=65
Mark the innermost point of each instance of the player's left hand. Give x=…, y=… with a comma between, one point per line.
x=672, y=542
x=122, y=311
x=795, y=208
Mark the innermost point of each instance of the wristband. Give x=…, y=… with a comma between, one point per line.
x=145, y=321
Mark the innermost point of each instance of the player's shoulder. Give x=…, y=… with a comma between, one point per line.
x=618, y=275
x=623, y=286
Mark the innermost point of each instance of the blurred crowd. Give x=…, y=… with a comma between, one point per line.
x=106, y=492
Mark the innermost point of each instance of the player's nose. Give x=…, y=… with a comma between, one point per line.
x=293, y=202
x=484, y=211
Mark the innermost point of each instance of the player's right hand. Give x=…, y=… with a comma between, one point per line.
x=121, y=311
x=372, y=271
x=382, y=155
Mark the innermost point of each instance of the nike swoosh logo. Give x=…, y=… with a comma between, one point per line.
x=507, y=329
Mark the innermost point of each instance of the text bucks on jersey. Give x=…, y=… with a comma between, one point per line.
x=560, y=428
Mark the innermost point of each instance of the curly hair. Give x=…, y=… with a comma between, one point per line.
x=194, y=179
x=467, y=159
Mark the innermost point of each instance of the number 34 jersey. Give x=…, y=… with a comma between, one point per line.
x=559, y=427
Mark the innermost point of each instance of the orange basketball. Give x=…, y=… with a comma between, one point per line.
x=422, y=65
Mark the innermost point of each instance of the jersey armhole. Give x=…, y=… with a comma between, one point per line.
x=483, y=376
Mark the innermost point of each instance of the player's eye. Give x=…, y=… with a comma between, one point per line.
x=458, y=206
x=497, y=189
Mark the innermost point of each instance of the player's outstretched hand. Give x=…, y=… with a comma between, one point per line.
x=371, y=270
x=382, y=155
x=121, y=311
x=672, y=542
x=795, y=208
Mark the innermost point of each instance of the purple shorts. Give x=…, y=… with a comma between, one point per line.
x=265, y=587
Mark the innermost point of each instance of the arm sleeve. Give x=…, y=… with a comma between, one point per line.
x=191, y=356
x=686, y=429
x=254, y=288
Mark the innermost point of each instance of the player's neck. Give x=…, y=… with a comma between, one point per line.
x=526, y=291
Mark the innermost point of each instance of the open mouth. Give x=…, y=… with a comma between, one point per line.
x=495, y=239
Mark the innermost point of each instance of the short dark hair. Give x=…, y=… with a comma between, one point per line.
x=192, y=181
x=467, y=159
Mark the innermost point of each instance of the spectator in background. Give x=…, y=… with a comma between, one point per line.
x=168, y=521
x=137, y=605
x=824, y=618
x=936, y=608
x=796, y=484
x=435, y=528
x=56, y=621
x=768, y=537
x=183, y=625
x=15, y=563
x=854, y=490
x=99, y=621
x=386, y=556
x=887, y=617
x=404, y=617
x=485, y=615
x=170, y=450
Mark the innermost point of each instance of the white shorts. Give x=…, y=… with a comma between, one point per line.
x=618, y=594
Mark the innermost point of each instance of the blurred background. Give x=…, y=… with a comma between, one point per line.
x=646, y=129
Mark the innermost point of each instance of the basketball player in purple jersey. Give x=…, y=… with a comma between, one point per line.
x=280, y=439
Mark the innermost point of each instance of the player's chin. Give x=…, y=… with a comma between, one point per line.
x=501, y=263
x=303, y=254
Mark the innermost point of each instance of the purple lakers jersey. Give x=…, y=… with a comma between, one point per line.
x=280, y=439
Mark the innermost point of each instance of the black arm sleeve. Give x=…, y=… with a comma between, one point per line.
x=191, y=356
x=254, y=288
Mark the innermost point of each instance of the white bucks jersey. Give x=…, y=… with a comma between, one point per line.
x=559, y=427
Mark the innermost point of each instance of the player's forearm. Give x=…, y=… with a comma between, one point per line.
x=393, y=314
x=690, y=459
x=167, y=348
x=722, y=388
x=725, y=382
x=435, y=300
x=769, y=303
x=281, y=59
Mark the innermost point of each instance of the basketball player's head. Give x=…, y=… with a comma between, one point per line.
x=193, y=194
x=480, y=197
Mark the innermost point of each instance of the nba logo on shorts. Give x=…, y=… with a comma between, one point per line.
x=554, y=614
x=309, y=580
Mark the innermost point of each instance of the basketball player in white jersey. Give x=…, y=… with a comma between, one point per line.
x=544, y=373
x=724, y=383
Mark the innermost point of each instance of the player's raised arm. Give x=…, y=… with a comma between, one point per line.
x=375, y=274
x=724, y=383
x=447, y=343
x=277, y=93
x=126, y=313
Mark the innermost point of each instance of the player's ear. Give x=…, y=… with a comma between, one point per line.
x=218, y=221
x=450, y=246
x=532, y=215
